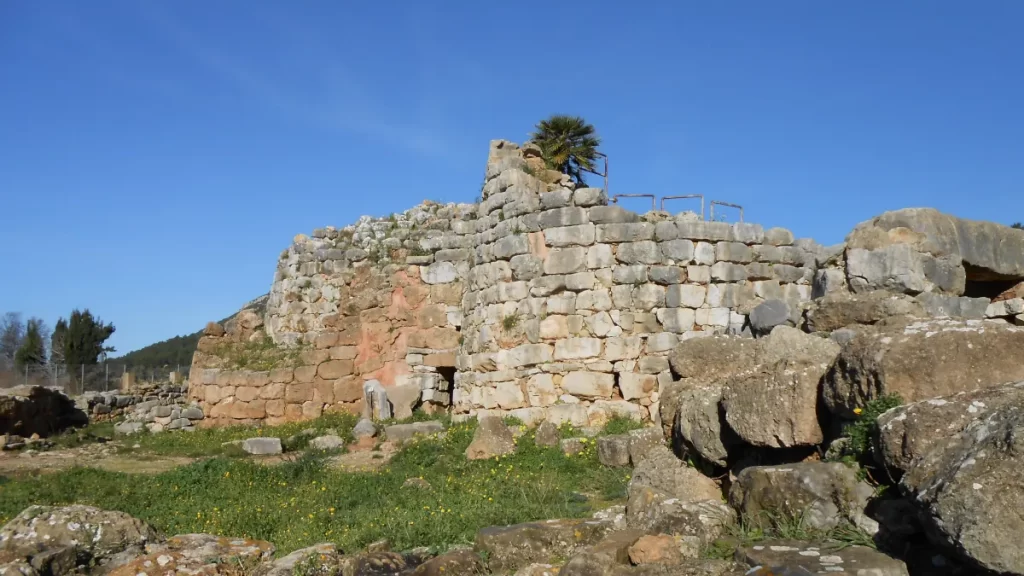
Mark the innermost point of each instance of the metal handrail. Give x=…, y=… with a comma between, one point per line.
x=605, y=174
x=701, y=196
x=720, y=203
x=615, y=198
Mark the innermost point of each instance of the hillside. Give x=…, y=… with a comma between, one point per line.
x=179, y=349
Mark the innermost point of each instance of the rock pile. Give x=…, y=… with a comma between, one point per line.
x=35, y=410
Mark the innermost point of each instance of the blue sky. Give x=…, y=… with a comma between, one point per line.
x=156, y=157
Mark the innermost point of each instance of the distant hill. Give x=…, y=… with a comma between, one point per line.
x=179, y=349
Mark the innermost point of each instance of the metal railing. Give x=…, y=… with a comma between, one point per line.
x=683, y=196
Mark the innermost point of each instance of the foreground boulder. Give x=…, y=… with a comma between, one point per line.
x=841, y=309
x=93, y=534
x=737, y=390
x=513, y=547
x=821, y=495
x=908, y=433
x=492, y=438
x=783, y=557
x=196, y=554
x=968, y=484
x=923, y=359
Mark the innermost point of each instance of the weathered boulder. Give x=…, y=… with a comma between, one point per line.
x=546, y=434
x=790, y=558
x=365, y=428
x=322, y=555
x=820, y=494
x=991, y=251
x=776, y=405
x=908, y=433
x=761, y=392
x=513, y=547
x=968, y=484
x=197, y=554
x=664, y=472
x=768, y=315
x=262, y=446
x=93, y=533
x=28, y=410
x=492, y=438
x=841, y=309
x=460, y=561
x=404, y=399
x=923, y=359
x=613, y=450
x=655, y=512
x=327, y=442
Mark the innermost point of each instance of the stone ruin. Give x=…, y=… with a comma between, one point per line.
x=549, y=303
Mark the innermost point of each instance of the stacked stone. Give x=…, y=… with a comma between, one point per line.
x=572, y=305
x=112, y=404
x=547, y=301
x=1008, y=306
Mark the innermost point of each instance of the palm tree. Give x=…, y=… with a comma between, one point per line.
x=568, y=144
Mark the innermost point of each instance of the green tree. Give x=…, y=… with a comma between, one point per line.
x=568, y=144
x=82, y=337
x=12, y=332
x=1017, y=225
x=32, y=352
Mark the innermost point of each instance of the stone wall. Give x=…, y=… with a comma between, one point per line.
x=541, y=300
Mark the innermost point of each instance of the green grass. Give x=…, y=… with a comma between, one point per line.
x=302, y=502
x=261, y=354
x=863, y=431
x=210, y=441
x=622, y=425
x=74, y=437
x=767, y=526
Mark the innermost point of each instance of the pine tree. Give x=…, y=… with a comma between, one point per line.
x=32, y=352
x=83, y=337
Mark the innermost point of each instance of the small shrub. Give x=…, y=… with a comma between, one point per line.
x=621, y=425
x=530, y=170
x=862, y=431
x=261, y=354
x=510, y=322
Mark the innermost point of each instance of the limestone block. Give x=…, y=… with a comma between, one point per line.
x=526, y=266
x=733, y=252
x=556, y=199
x=564, y=303
x=685, y=296
x=729, y=295
x=622, y=348
x=635, y=386
x=565, y=260
x=559, y=217
x=574, y=414
x=438, y=273
x=648, y=296
x=512, y=291
x=747, y=233
x=704, y=253
x=547, y=285
x=594, y=300
x=599, y=324
x=728, y=272
x=667, y=275
x=404, y=399
x=762, y=271
x=662, y=342
x=681, y=251
x=510, y=246
x=698, y=274
x=676, y=320
x=540, y=390
x=600, y=256
x=527, y=355
x=509, y=395
x=580, y=281
x=703, y=230
x=625, y=232
x=588, y=384
x=778, y=237
x=643, y=252
x=665, y=230
x=612, y=214
x=601, y=411
x=577, y=348
x=554, y=327
x=590, y=197
x=579, y=235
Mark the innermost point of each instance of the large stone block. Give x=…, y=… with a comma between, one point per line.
x=923, y=359
x=685, y=296
x=600, y=256
x=612, y=214
x=680, y=251
x=677, y=320
x=643, y=252
x=565, y=260
x=630, y=232
x=728, y=272
x=577, y=348
x=703, y=230
x=635, y=386
x=439, y=273
x=733, y=252
x=510, y=246
x=648, y=296
x=527, y=355
x=588, y=384
x=590, y=197
x=558, y=217
x=580, y=235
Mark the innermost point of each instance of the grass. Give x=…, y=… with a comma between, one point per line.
x=210, y=441
x=74, y=437
x=622, y=425
x=767, y=526
x=863, y=430
x=261, y=354
x=303, y=502
x=510, y=322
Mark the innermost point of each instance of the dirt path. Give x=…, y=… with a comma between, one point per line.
x=108, y=456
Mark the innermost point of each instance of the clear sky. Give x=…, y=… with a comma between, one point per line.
x=156, y=156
